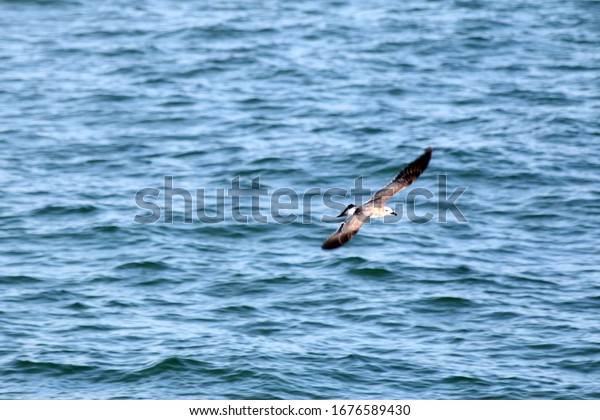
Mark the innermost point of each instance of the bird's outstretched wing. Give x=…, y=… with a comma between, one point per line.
x=346, y=231
x=404, y=178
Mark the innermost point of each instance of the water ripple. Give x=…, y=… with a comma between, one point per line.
x=104, y=99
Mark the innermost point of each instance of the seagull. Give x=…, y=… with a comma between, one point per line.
x=376, y=207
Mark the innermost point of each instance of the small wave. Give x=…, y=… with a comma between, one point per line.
x=372, y=272
x=222, y=231
x=49, y=368
x=106, y=229
x=105, y=279
x=175, y=364
x=123, y=52
x=277, y=280
x=346, y=261
x=109, y=97
x=269, y=161
x=77, y=306
x=119, y=304
x=465, y=380
x=96, y=327
x=446, y=302
x=10, y=280
x=45, y=2
x=370, y=130
x=501, y=315
x=171, y=366
x=50, y=296
x=586, y=367
x=203, y=71
x=144, y=265
x=191, y=153
x=154, y=282
x=237, y=310
x=64, y=210
x=452, y=301
x=522, y=279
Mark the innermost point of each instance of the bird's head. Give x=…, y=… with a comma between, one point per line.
x=388, y=210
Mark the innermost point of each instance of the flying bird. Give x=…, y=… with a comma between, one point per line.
x=376, y=207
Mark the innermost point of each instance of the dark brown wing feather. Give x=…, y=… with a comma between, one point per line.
x=404, y=178
x=346, y=231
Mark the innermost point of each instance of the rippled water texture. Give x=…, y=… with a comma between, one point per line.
x=101, y=99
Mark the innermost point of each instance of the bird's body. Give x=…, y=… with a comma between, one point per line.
x=376, y=207
x=377, y=212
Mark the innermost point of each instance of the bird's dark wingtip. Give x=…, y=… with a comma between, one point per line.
x=415, y=168
x=422, y=161
x=335, y=241
x=327, y=245
x=427, y=153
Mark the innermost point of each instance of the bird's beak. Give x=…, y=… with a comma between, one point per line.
x=394, y=213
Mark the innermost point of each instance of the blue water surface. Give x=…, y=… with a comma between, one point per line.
x=99, y=100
